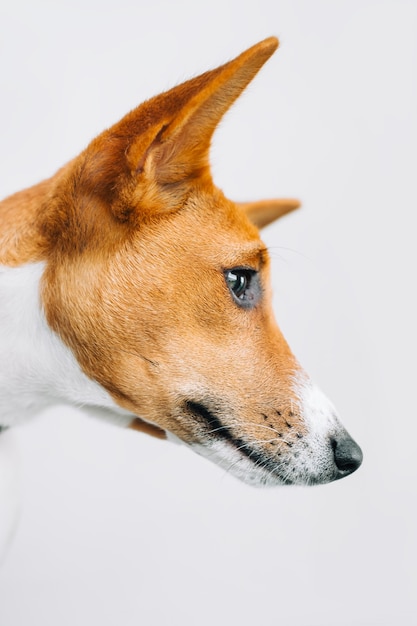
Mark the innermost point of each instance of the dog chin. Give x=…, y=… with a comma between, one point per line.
x=266, y=473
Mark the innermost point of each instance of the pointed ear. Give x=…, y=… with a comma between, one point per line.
x=149, y=158
x=265, y=212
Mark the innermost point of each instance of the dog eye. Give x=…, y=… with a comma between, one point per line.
x=244, y=286
x=237, y=281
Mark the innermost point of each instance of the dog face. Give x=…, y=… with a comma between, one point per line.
x=160, y=287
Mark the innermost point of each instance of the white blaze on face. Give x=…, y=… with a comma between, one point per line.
x=318, y=413
x=315, y=459
x=325, y=451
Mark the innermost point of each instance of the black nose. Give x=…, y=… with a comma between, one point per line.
x=347, y=455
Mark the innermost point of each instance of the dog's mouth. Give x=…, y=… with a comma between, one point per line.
x=270, y=459
x=234, y=453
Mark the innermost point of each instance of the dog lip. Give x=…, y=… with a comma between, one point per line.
x=206, y=415
x=271, y=468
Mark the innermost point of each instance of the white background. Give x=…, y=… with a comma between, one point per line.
x=121, y=529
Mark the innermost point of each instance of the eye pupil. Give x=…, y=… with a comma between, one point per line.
x=237, y=282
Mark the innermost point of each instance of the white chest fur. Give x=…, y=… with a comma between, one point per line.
x=36, y=369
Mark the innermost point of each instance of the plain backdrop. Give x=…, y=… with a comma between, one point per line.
x=120, y=529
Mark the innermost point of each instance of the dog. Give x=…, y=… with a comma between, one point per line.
x=130, y=286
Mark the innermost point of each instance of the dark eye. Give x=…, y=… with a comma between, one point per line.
x=244, y=286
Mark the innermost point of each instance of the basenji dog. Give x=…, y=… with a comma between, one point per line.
x=132, y=287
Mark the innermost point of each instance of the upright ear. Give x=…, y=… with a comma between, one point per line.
x=264, y=212
x=149, y=158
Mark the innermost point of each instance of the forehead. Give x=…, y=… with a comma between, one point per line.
x=209, y=228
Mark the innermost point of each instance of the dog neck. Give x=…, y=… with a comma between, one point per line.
x=36, y=369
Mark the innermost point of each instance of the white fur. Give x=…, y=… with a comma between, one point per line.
x=316, y=456
x=36, y=369
x=310, y=460
x=318, y=412
x=234, y=462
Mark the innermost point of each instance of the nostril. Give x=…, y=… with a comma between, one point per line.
x=347, y=454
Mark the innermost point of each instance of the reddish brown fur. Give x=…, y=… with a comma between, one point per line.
x=21, y=240
x=136, y=238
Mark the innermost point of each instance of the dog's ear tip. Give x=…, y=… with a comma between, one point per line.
x=294, y=203
x=264, y=212
x=262, y=50
x=270, y=43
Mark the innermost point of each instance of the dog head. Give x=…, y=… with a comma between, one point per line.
x=160, y=287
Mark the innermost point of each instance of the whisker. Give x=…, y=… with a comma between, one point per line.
x=228, y=469
x=252, y=450
x=257, y=464
x=271, y=250
x=216, y=430
x=254, y=424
